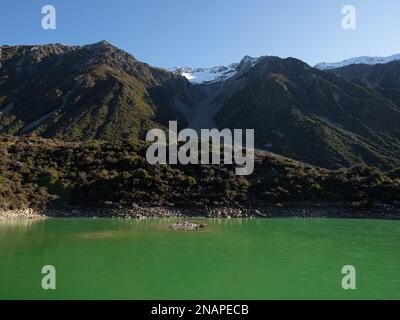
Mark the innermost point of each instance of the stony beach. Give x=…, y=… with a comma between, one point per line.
x=298, y=210
x=21, y=214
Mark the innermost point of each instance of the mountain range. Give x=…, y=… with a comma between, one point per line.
x=326, y=116
x=357, y=60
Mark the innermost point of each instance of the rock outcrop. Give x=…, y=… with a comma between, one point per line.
x=187, y=226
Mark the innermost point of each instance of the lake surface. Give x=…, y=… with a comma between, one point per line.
x=230, y=259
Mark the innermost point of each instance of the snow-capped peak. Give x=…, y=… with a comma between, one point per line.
x=206, y=75
x=214, y=74
x=357, y=60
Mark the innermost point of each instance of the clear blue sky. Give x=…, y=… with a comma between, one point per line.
x=210, y=32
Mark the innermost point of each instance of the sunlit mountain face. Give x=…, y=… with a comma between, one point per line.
x=331, y=118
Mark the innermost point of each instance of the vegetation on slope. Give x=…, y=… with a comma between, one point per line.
x=41, y=173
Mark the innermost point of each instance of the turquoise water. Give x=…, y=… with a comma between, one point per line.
x=230, y=259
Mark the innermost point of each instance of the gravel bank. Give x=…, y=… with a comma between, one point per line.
x=21, y=214
x=313, y=210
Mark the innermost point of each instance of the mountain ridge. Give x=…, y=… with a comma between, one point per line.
x=357, y=60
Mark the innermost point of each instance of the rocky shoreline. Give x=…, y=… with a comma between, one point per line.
x=21, y=214
x=298, y=210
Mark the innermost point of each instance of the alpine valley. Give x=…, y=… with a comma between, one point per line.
x=333, y=118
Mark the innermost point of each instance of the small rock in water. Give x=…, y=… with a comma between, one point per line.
x=187, y=226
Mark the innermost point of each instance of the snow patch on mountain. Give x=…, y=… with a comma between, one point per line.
x=357, y=60
x=214, y=74
x=206, y=75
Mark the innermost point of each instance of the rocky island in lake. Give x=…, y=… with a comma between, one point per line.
x=187, y=226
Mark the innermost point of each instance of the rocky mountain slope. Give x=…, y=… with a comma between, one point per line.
x=311, y=115
x=78, y=93
x=384, y=78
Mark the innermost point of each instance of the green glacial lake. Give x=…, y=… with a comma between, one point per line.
x=230, y=259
